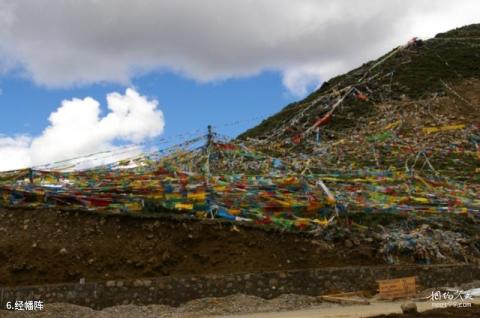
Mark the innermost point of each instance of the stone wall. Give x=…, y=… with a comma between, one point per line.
x=175, y=290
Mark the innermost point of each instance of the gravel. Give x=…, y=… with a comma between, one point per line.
x=196, y=308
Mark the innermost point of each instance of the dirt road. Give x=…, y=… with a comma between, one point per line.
x=356, y=311
x=238, y=306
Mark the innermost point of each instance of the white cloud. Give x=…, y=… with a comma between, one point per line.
x=76, y=128
x=14, y=152
x=298, y=80
x=60, y=43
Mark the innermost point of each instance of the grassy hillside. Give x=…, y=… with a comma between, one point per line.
x=410, y=72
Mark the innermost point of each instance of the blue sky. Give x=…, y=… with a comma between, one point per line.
x=187, y=104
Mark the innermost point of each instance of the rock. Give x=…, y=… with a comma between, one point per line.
x=273, y=282
x=409, y=308
x=348, y=244
x=165, y=256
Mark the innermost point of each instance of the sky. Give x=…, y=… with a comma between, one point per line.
x=83, y=76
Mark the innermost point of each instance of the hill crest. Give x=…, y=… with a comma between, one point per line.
x=415, y=71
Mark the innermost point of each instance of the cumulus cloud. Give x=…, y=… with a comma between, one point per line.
x=77, y=128
x=60, y=43
x=302, y=78
x=14, y=152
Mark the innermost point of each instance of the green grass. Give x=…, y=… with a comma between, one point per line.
x=417, y=72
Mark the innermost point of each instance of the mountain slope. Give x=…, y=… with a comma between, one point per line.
x=419, y=70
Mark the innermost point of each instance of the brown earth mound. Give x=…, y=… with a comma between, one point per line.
x=47, y=246
x=52, y=246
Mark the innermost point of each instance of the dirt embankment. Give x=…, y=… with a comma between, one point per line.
x=51, y=246
x=47, y=246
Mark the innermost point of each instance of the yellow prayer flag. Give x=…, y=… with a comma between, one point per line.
x=431, y=130
x=184, y=206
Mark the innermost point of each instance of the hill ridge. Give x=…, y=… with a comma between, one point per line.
x=416, y=70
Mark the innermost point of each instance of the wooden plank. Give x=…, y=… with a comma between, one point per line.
x=347, y=294
x=397, y=288
x=343, y=300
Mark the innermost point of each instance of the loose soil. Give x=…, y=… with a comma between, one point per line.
x=243, y=306
x=52, y=246
x=472, y=312
x=49, y=246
